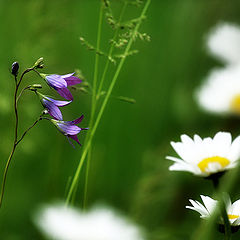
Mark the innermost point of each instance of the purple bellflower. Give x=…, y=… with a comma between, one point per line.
x=52, y=106
x=61, y=82
x=69, y=128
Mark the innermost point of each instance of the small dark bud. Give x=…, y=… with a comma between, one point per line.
x=15, y=67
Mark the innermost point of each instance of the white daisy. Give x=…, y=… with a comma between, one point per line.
x=209, y=205
x=67, y=223
x=207, y=156
x=223, y=42
x=221, y=91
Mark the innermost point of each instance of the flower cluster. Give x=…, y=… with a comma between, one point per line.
x=51, y=107
x=60, y=84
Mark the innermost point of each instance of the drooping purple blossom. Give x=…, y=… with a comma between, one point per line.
x=69, y=128
x=52, y=106
x=61, y=82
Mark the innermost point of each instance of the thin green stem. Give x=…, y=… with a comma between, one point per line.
x=16, y=110
x=5, y=173
x=227, y=226
x=15, y=142
x=94, y=102
x=23, y=135
x=88, y=144
x=20, y=94
x=87, y=177
x=21, y=78
x=96, y=93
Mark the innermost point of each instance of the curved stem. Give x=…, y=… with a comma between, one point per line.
x=5, y=173
x=10, y=158
x=15, y=143
x=23, y=135
x=20, y=94
x=21, y=78
x=16, y=100
x=85, y=151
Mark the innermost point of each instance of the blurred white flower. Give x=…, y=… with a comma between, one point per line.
x=223, y=42
x=221, y=91
x=207, y=156
x=209, y=205
x=68, y=223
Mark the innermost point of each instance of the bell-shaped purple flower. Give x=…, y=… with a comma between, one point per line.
x=61, y=82
x=69, y=128
x=52, y=105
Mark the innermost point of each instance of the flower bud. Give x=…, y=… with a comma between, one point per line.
x=15, y=67
x=44, y=112
x=39, y=63
x=36, y=86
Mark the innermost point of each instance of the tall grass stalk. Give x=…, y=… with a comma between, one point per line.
x=98, y=92
x=105, y=101
x=94, y=102
x=110, y=53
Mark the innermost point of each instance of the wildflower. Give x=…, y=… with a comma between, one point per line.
x=69, y=128
x=220, y=93
x=52, y=105
x=61, y=82
x=223, y=42
x=208, y=207
x=207, y=156
x=68, y=223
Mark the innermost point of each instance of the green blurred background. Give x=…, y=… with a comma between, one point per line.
x=129, y=170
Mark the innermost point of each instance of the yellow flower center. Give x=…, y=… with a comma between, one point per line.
x=233, y=216
x=235, y=104
x=203, y=165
